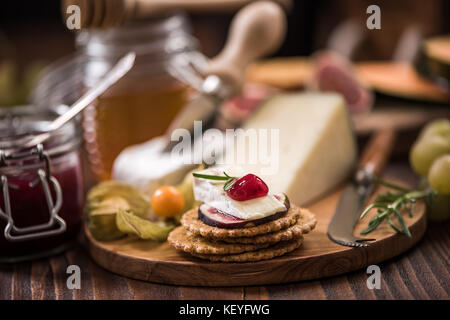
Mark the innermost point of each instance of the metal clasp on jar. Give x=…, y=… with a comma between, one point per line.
x=14, y=233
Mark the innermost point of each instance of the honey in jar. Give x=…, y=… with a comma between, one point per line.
x=131, y=116
x=142, y=104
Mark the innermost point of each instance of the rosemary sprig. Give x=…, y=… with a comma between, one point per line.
x=390, y=204
x=229, y=180
x=210, y=177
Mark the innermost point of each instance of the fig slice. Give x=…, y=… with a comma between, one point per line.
x=216, y=218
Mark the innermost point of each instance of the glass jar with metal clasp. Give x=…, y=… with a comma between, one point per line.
x=41, y=200
x=138, y=107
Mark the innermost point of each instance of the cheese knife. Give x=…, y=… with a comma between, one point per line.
x=356, y=194
x=257, y=30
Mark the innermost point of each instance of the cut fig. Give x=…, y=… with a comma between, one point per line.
x=216, y=218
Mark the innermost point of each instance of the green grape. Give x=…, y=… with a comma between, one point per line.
x=438, y=209
x=426, y=150
x=437, y=127
x=439, y=175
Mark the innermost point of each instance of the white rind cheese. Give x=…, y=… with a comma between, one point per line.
x=316, y=150
x=212, y=193
x=147, y=167
x=317, y=147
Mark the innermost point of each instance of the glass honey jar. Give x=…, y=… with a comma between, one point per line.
x=142, y=104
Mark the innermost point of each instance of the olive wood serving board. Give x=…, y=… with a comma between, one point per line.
x=318, y=256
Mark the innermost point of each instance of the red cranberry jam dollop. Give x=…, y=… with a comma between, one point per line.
x=248, y=187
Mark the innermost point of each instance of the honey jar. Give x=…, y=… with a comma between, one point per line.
x=142, y=104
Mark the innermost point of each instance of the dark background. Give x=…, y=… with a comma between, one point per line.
x=35, y=29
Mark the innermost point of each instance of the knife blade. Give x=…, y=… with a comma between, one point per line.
x=340, y=229
x=355, y=195
x=201, y=108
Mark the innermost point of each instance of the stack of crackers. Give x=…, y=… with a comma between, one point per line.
x=251, y=243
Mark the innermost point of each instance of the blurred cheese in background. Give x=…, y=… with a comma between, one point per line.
x=317, y=148
x=146, y=167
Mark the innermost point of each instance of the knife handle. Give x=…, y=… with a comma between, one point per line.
x=257, y=30
x=376, y=153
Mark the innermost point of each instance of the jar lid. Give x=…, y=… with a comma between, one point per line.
x=153, y=37
x=18, y=123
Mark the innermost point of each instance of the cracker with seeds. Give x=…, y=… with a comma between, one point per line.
x=191, y=222
x=183, y=240
x=307, y=220
x=305, y=223
x=276, y=250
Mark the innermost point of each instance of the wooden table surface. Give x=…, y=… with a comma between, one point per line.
x=421, y=273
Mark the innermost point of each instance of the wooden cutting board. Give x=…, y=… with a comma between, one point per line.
x=318, y=256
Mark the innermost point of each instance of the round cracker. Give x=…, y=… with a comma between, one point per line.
x=276, y=250
x=191, y=222
x=183, y=240
x=307, y=220
x=305, y=223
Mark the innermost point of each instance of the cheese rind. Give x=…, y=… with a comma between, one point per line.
x=317, y=147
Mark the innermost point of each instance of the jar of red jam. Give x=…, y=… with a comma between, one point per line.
x=41, y=201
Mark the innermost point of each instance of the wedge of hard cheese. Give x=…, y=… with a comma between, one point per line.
x=316, y=149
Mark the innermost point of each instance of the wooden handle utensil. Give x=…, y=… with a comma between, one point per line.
x=257, y=30
x=377, y=152
x=111, y=13
x=250, y=37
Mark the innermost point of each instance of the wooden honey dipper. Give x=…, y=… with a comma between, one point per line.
x=111, y=13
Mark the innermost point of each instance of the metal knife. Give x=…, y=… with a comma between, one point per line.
x=355, y=195
x=250, y=37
